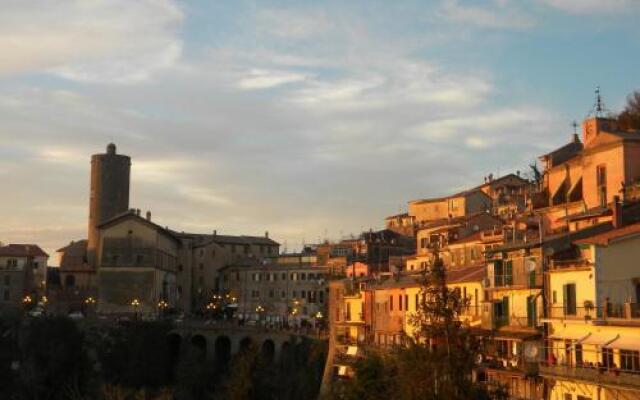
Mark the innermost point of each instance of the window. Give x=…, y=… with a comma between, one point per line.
x=201, y=266
x=7, y=295
x=601, y=181
x=303, y=276
x=321, y=297
x=201, y=252
x=213, y=253
x=607, y=358
x=12, y=263
x=303, y=294
x=295, y=294
x=569, y=300
x=284, y=276
x=283, y=295
x=271, y=294
x=7, y=280
x=630, y=360
x=554, y=297
x=508, y=273
x=391, y=303
x=400, y=302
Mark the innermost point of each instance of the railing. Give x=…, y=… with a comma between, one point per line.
x=591, y=372
x=515, y=321
x=568, y=264
x=625, y=311
x=574, y=312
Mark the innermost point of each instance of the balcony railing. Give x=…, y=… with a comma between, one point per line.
x=624, y=311
x=568, y=264
x=591, y=373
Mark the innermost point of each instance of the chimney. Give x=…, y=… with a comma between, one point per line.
x=266, y=234
x=148, y=215
x=138, y=212
x=215, y=232
x=616, y=209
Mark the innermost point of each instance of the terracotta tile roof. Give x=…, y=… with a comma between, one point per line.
x=22, y=250
x=603, y=239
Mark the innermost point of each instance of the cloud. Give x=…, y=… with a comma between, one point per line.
x=264, y=79
x=499, y=15
x=592, y=6
x=91, y=41
x=292, y=24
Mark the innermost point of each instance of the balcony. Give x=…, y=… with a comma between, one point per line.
x=612, y=313
x=569, y=265
x=587, y=373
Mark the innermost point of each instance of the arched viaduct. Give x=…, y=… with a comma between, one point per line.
x=220, y=342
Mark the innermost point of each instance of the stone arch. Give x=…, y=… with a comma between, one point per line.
x=174, y=343
x=268, y=350
x=222, y=348
x=199, y=347
x=286, y=355
x=245, y=343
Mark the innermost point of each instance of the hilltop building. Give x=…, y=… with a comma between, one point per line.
x=23, y=269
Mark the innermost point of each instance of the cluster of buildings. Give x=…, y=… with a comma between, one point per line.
x=549, y=268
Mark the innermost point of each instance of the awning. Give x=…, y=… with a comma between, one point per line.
x=626, y=343
x=569, y=336
x=599, y=339
x=352, y=350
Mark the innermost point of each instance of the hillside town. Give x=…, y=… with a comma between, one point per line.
x=545, y=262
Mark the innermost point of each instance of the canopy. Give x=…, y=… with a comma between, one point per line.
x=599, y=339
x=569, y=336
x=626, y=343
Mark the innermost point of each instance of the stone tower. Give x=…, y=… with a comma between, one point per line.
x=109, y=194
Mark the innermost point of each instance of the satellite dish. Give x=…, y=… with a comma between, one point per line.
x=531, y=351
x=531, y=265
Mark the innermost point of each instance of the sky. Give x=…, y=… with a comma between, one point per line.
x=307, y=119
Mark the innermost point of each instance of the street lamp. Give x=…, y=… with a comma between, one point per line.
x=135, y=303
x=27, y=300
x=259, y=310
x=162, y=305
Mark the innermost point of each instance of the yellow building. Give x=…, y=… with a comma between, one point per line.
x=137, y=265
x=593, y=348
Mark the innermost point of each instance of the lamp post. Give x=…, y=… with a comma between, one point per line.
x=88, y=303
x=135, y=303
x=162, y=306
x=27, y=301
x=259, y=311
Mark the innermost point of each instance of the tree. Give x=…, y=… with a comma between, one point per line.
x=436, y=363
x=629, y=118
x=54, y=364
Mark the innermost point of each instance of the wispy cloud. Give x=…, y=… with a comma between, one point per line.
x=593, y=6
x=265, y=79
x=97, y=41
x=498, y=14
